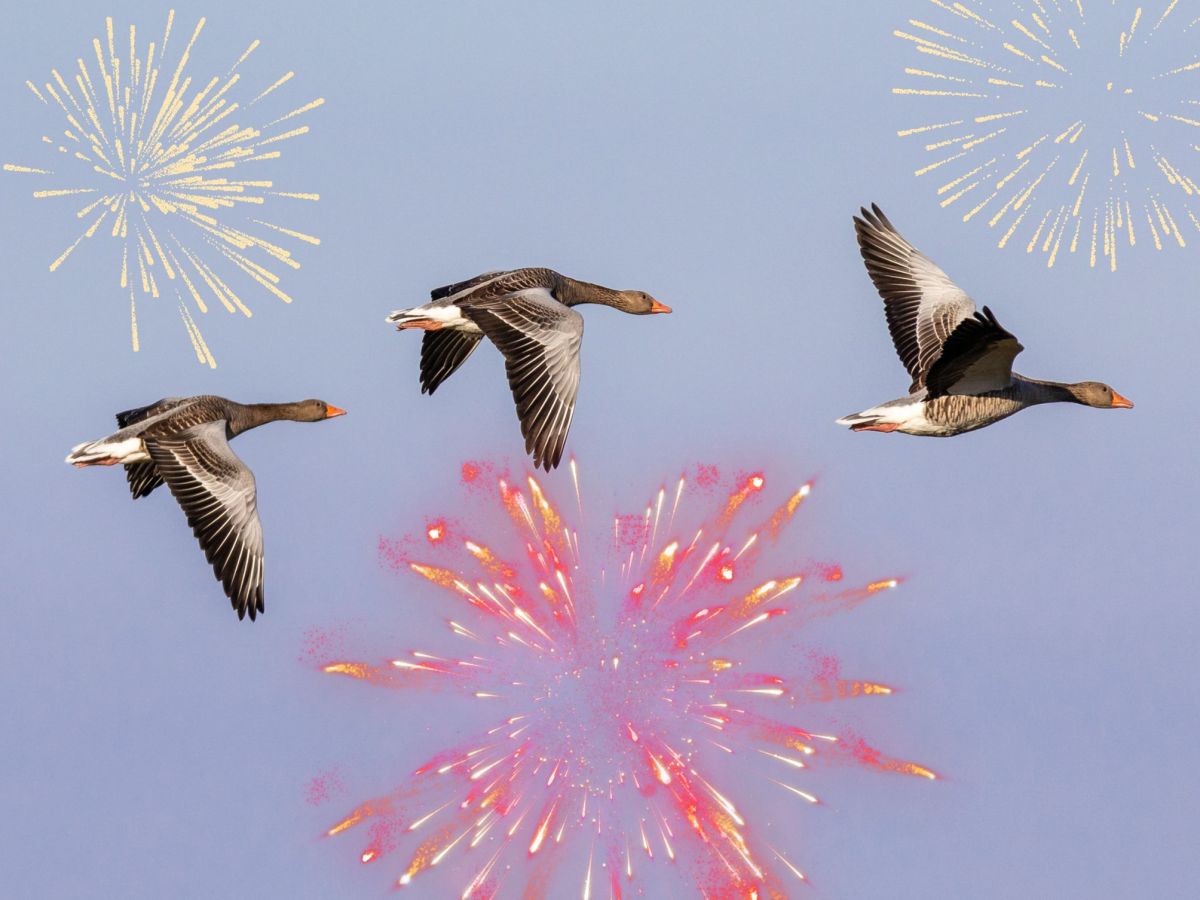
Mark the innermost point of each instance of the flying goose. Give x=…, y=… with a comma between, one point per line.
x=184, y=441
x=960, y=359
x=528, y=315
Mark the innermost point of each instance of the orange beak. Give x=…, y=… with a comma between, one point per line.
x=1120, y=402
x=331, y=411
x=657, y=307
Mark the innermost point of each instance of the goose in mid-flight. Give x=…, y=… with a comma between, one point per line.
x=184, y=441
x=960, y=359
x=528, y=315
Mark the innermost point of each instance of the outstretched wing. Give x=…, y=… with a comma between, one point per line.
x=217, y=494
x=540, y=339
x=442, y=352
x=976, y=358
x=923, y=306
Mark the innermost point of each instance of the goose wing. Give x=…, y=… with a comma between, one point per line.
x=540, y=340
x=923, y=306
x=976, y=358
x=217, y=494
x=442, y=352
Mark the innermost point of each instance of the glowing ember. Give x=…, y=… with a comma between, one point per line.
x=622, y=701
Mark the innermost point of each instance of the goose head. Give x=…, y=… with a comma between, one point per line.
x=1099, y=395
x=639, y=303
x=315, y=411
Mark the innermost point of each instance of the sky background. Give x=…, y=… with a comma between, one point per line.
x=712, y=155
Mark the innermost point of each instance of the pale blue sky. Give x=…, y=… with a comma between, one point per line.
x=708, y=153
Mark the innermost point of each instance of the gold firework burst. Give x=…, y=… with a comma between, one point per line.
x=1062, y=124
x=157, y=156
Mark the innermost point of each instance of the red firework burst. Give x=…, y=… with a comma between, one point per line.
x=618, y=696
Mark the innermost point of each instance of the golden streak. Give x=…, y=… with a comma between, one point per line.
x=298, y=235
x=320, y=101
x=1016, y=222
x=1075, y=238
x=282, y=81
x=1190, y=67
x=939, y=163
x=979, y=120
x=970, y=145
x=133, y=322
x=1016, y=51
x=921, y=92
x=933, y=48
x=66, y=192
x=923, y=128
x=1029, y=34
x=938, y=145
x=926, y=27
x=1075, y=174
x=241, y=59
x=1166, y=12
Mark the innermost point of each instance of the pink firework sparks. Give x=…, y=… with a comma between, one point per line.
x=619, y=701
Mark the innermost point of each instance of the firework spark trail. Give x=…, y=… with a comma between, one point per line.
x=614, y=719
x=1093, y=110
x=156, y=157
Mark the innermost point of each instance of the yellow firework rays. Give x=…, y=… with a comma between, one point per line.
x=1069, y=127
x=161, y=164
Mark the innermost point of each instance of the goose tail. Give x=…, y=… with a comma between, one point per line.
x=399, y=316
x=107, y=451
x=858, y=419
x=414, y=318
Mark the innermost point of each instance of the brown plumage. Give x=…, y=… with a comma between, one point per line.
x=960, y=359
x=528, y=315
x=184, y=442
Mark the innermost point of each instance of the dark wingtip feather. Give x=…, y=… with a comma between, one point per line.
x=872, y=219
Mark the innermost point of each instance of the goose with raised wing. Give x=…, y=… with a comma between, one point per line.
x=960, y=359
x=184, y=443
x=528, y=314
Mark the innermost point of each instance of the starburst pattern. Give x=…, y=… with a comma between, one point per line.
x=1068, y=126
x=620, y=693
x=157, y=157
